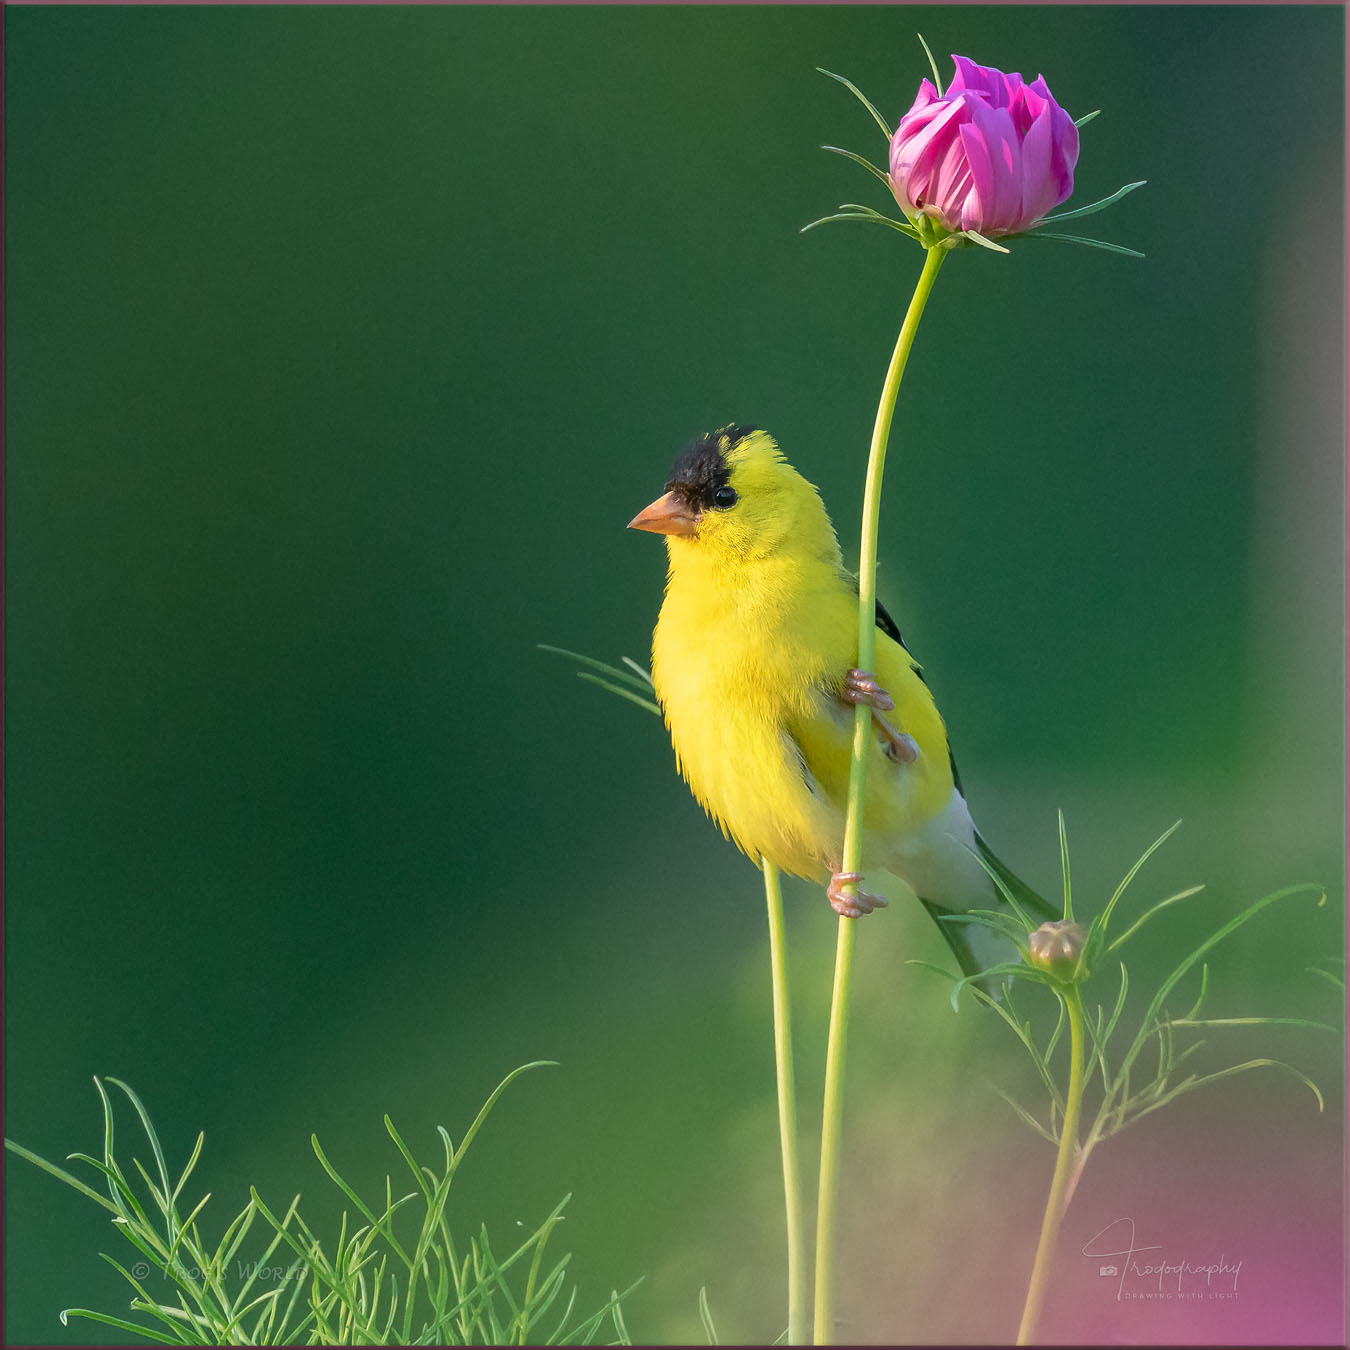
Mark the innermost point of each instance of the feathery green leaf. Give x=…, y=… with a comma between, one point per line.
x=861, y=97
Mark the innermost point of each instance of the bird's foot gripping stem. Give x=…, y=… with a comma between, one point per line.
x=851, y=906
x=862, y=690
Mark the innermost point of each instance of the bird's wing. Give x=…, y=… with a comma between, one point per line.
x=892, y=630
x=888, y=625
x=900, y=797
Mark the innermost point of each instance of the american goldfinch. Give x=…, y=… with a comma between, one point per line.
x=754, y=664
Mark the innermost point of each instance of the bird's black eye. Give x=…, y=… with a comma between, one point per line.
x=724, y=496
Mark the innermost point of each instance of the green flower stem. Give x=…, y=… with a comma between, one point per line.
x=798, y=1289
x=1065, y=1171
x=832, y=1123
x=831, y=1129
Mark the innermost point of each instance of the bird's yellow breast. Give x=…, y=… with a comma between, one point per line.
x=747, y=659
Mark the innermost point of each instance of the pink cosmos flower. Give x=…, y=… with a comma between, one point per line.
x=992, y=154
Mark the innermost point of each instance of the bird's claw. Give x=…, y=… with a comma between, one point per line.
x=851, y=906
x=901, y=747
x=860, y=688
x=863, y=690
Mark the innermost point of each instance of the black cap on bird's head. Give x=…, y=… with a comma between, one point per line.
x=735, y=498
x=699, y=481
x=702, y=472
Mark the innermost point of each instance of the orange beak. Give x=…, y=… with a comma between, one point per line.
x=666, y=515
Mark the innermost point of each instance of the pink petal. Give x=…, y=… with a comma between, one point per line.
x=994, y=153
x=1064, y=153
x=1040, y=186
x=997, y=87
x=1027, y=107
x=951, y=184
x=917, y=149
x=975, y=79
x=927, y=94
x=991, y=146
x=968, y=75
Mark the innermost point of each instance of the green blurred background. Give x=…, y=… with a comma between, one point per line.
x=342, y=343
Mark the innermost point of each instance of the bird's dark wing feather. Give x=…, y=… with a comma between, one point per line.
x=892, y=631
x=1035, y=904
x=889, y=627
x=955, y=936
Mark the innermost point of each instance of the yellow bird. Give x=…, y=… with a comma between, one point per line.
x=754, y=663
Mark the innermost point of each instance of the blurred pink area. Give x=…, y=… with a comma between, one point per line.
x=1241, y=1209
x=1244, y=1218
x=1235, y=1190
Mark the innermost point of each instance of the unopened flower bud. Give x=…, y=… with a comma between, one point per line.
x=993, y=154
x=1056, y=947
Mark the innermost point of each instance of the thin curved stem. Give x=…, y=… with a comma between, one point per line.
x=831, y=1129
x=833, y=1120
x=798, y=1288
x=1066, y=1172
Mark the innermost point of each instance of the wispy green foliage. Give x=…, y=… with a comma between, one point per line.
x=705, y=1316
x=856, y=211
x=396, y=1277
x=1094, y=207
x=1127, y=1084
x=1334, y=975
x=1126, y=1094
x=932, y=65
x=863, y=99
x=630, y=681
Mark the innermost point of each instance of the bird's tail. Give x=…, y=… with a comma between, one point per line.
x=976, y=946
x=1035, y=905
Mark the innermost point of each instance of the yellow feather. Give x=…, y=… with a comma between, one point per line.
x=758, y=628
